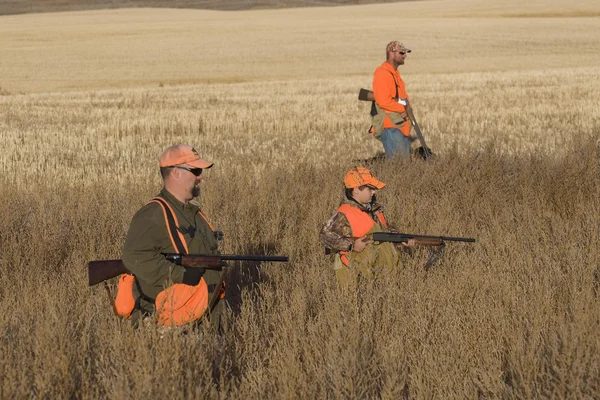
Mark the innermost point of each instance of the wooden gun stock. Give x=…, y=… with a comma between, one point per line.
x=100, y=271
x=366, y=95
x=428, y=242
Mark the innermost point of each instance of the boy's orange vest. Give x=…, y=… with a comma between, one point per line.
x=360, y=223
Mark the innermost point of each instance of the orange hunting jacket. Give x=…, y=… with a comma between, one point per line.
x=387, y=82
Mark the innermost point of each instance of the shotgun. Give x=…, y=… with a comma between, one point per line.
x=102, y=270
x=422, y=240
x=367, y=95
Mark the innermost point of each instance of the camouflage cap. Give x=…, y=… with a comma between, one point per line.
x=360, y=176
x=396, y=46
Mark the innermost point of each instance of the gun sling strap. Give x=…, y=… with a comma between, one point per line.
x=179, y=245
x=177, y=240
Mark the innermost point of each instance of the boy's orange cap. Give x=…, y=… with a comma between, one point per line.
x=179, y=154
x=360, y=176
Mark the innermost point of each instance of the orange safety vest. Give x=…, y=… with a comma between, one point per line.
x=360, y=223
x=179, y=304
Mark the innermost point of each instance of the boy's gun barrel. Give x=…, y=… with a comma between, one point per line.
x=424, y=239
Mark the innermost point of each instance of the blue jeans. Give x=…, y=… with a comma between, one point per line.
x=395, y=143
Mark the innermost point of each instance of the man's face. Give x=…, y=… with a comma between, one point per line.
x=190, y=178
x=363, y=194
x=399, y=56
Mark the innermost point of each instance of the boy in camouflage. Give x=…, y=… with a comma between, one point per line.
x=348, y=230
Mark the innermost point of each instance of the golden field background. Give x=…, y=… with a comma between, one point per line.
x=8, y=7
x=147, y=47
x=506, y=94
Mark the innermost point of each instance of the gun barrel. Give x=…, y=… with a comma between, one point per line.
x=255, y=258
x=458, y=239
x=177, y=258
x=403, y=237
x=413, y=121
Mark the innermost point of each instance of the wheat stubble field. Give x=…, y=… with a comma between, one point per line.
x=507, y=96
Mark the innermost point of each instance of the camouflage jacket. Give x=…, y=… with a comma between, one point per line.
x=336, y=234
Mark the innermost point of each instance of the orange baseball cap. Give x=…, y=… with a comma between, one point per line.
x=360, y=176
x=179, y=154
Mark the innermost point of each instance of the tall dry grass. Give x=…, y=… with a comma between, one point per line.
x=514, y=315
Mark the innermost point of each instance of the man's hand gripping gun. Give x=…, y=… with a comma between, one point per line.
x=367, y=95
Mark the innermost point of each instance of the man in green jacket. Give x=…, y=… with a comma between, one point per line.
x=149, y=237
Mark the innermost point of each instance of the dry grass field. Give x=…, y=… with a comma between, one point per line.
x=507, y=96
x=151, y=47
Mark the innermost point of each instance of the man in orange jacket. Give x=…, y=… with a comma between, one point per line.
x=390, y=122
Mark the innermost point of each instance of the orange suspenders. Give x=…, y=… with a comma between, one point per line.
x=125, y=303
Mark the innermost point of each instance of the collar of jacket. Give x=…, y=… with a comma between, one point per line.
x=375, y=207
x=386, y=65
x=178, y=205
